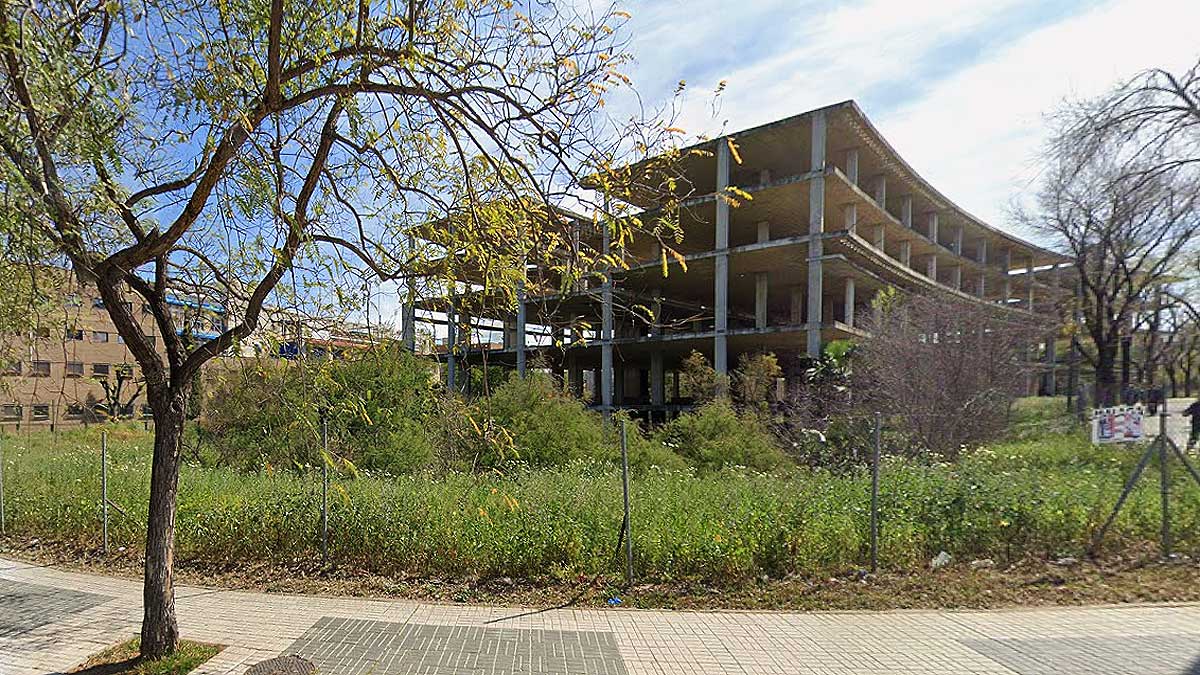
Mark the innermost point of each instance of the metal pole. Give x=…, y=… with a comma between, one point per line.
x=628, y=525
x=1164, y=485
x=325, y=492
x=875, y=493
x=3, y=530
x=104, y=484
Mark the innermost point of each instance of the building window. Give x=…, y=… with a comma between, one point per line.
x=100, y=370
x=10, y=412
x=74, y=411
x=98, y=303
x=40, y=412
x=120, y=340
x=39, y=369
x=99, y=336
x=13, y=368
x=147, y=411
x=73, y=300
x=74, y=334
x=151, y=339
x=42, y=332
x=74, y=369
x=128, y=306
x=124, y=370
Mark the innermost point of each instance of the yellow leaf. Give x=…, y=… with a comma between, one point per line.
x=733, y=150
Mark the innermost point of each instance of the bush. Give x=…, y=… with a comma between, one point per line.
x=268, y=412
x=715, y=436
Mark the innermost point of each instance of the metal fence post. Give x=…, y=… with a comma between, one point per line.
x=875, y=492
x=3, y=528
x=625, y=488
x=325, y=492
x=104, y=484
x=1164, y=476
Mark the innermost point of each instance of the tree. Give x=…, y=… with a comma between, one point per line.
x=117, y=397
x=946, y=370
x=1121, y=197
x=257, y=152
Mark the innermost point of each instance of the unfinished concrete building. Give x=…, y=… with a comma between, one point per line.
x=836, y=215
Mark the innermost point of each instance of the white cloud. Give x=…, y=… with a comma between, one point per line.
x=973, y=134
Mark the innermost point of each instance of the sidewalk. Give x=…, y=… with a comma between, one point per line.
x=51, y=620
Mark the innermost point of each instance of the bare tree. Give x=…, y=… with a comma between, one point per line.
x=1128, y=231
x=947, y=370
x=266, y=152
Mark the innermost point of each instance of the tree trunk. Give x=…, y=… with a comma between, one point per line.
x=160, y=631
x=1106, y=376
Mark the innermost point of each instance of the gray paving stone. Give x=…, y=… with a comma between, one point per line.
x=1135, y=655
x=25, y=606
x=341, y=646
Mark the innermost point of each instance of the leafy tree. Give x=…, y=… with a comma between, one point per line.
x=267, y=153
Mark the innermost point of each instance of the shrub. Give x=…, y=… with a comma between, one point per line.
x=379, y=405
x=715, y=436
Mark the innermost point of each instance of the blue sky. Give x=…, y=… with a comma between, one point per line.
x=960, y=88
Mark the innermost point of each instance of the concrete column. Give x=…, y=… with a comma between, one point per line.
x=1006, y=263
x=958, y=240
x=764, y=232
x=880, y=193
x=816, y=225
x=597, y=386
x=848, y=319
x=906, y=211
x=657, y=383
x=520, y=346
x=1029, y=273
x=575, y=375
x=760, y=299
x=981, y=285
x=932, y=222
x=508, y=333
x=675, y=395
x=906, y=253
x=619, y=384
x=1051, y=380
x=956, y=278
x=880, y=237
x=850, y=217
x=796, y=315
x=656, y=307
x=931, y=267
x=983, y=251
x=721, y=275
x=852, y=165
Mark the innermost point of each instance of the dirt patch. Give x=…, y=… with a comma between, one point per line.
x=1131, y=578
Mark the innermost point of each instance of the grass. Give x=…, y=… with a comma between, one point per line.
x=125, y=659
x=1039, y=498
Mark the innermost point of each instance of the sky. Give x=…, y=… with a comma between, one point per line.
x=959, y=88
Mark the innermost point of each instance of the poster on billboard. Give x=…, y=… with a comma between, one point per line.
x=1118, y=424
